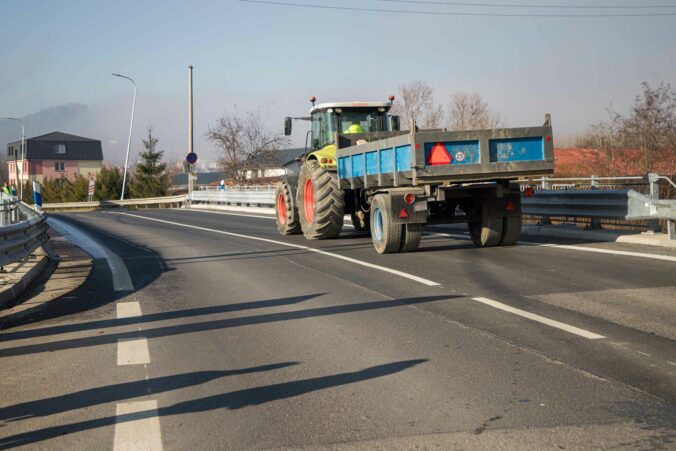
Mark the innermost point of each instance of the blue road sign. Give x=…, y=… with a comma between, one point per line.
x=191, y=158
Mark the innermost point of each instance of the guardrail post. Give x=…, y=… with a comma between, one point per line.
x=671, y=229
x=654, y=224
x=594, y=182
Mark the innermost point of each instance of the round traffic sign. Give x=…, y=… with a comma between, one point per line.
x=191, y=158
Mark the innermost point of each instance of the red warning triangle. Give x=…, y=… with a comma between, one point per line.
x=403, y=213
x=439, y=155
x=510, y=206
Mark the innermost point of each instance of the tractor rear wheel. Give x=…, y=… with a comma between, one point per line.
x=321, y=202
x=288, y=222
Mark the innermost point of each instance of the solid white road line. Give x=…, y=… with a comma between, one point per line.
x=133, y=351
x=540, y=319
x=297, y=246
x=121, y=278
x=128, y=309
x=137, y=427
x=573, y=247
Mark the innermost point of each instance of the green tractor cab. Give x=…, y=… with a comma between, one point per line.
x=311, y=200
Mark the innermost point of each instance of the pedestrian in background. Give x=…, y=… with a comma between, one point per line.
x=5, y=188
x=12, y=190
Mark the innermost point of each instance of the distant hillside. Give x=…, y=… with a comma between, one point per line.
x=60, y=117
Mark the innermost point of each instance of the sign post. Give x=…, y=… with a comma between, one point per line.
x=37, y=195
x=91, y=188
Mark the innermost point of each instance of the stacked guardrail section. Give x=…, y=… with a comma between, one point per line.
x=22, y=230
x=250, y=196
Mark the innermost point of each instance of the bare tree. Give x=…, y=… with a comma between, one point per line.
x=642, y=139
x=244, y=143
x=469, y=111
x=651, y=125
x=416, y=103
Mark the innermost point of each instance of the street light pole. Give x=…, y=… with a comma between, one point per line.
x=131, y=125
x=23, y=152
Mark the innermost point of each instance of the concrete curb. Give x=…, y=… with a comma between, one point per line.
x=578, y=233
x=9, y=293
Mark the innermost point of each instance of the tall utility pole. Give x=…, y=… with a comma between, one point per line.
x=190, y=130
x=131, y=125
x=23, y=153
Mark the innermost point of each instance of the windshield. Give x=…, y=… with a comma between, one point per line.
x=360, y=121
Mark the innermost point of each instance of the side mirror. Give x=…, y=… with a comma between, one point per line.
x=396, y=123
x=287, y=126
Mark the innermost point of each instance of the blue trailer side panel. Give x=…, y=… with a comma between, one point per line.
x=516, y=149
x=344, y=168
x=371, y=163
x=386, y=161
x=403, y=155
x=358, y=165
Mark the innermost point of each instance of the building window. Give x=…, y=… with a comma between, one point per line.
x=60, y=148
x=59, y=166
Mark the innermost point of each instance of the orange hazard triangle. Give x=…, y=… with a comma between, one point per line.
x=403, y=213
x=438, y=155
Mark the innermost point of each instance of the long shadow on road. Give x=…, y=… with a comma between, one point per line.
x=232, y=400
x=220, y=324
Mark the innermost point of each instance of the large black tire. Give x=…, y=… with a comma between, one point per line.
x=321, y=202
x=385, y=235
x=487, y=232
x=361, y=221
x=410, y=237
x=288, y=221
x=511, y=229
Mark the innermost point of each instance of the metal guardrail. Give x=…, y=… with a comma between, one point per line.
x=20, y=239
x=598, y=204
x=181, y=199
x=256, y=196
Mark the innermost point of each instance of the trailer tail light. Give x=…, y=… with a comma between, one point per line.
x=409, y=198
x=509, y=206
x=439, y=155
x=529, y=191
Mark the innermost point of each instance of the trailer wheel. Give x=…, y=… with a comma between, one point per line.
x=410, y=237
x=288, y=222
x=321, y=202
x=385, y=235
x=511, y=229
x=361, y=221
x=486, y=233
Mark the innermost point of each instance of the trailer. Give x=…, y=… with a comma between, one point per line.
x=393, y=183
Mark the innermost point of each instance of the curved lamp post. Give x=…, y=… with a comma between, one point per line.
x=131, y=125
x=23, y=152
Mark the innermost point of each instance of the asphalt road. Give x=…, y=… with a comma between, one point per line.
x=206, y=330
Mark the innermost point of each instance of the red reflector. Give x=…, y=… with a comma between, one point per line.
x=409, y=198
x=403, y=213
x=529, y=192
x=510, y=206
x=549, y=138
x=438, y=155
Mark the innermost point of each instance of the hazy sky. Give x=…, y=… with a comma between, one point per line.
x=272, y=58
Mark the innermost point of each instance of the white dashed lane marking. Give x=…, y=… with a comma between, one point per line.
x=128, y=309
x=137, y=427
x=133, y=352
x=540, y=319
